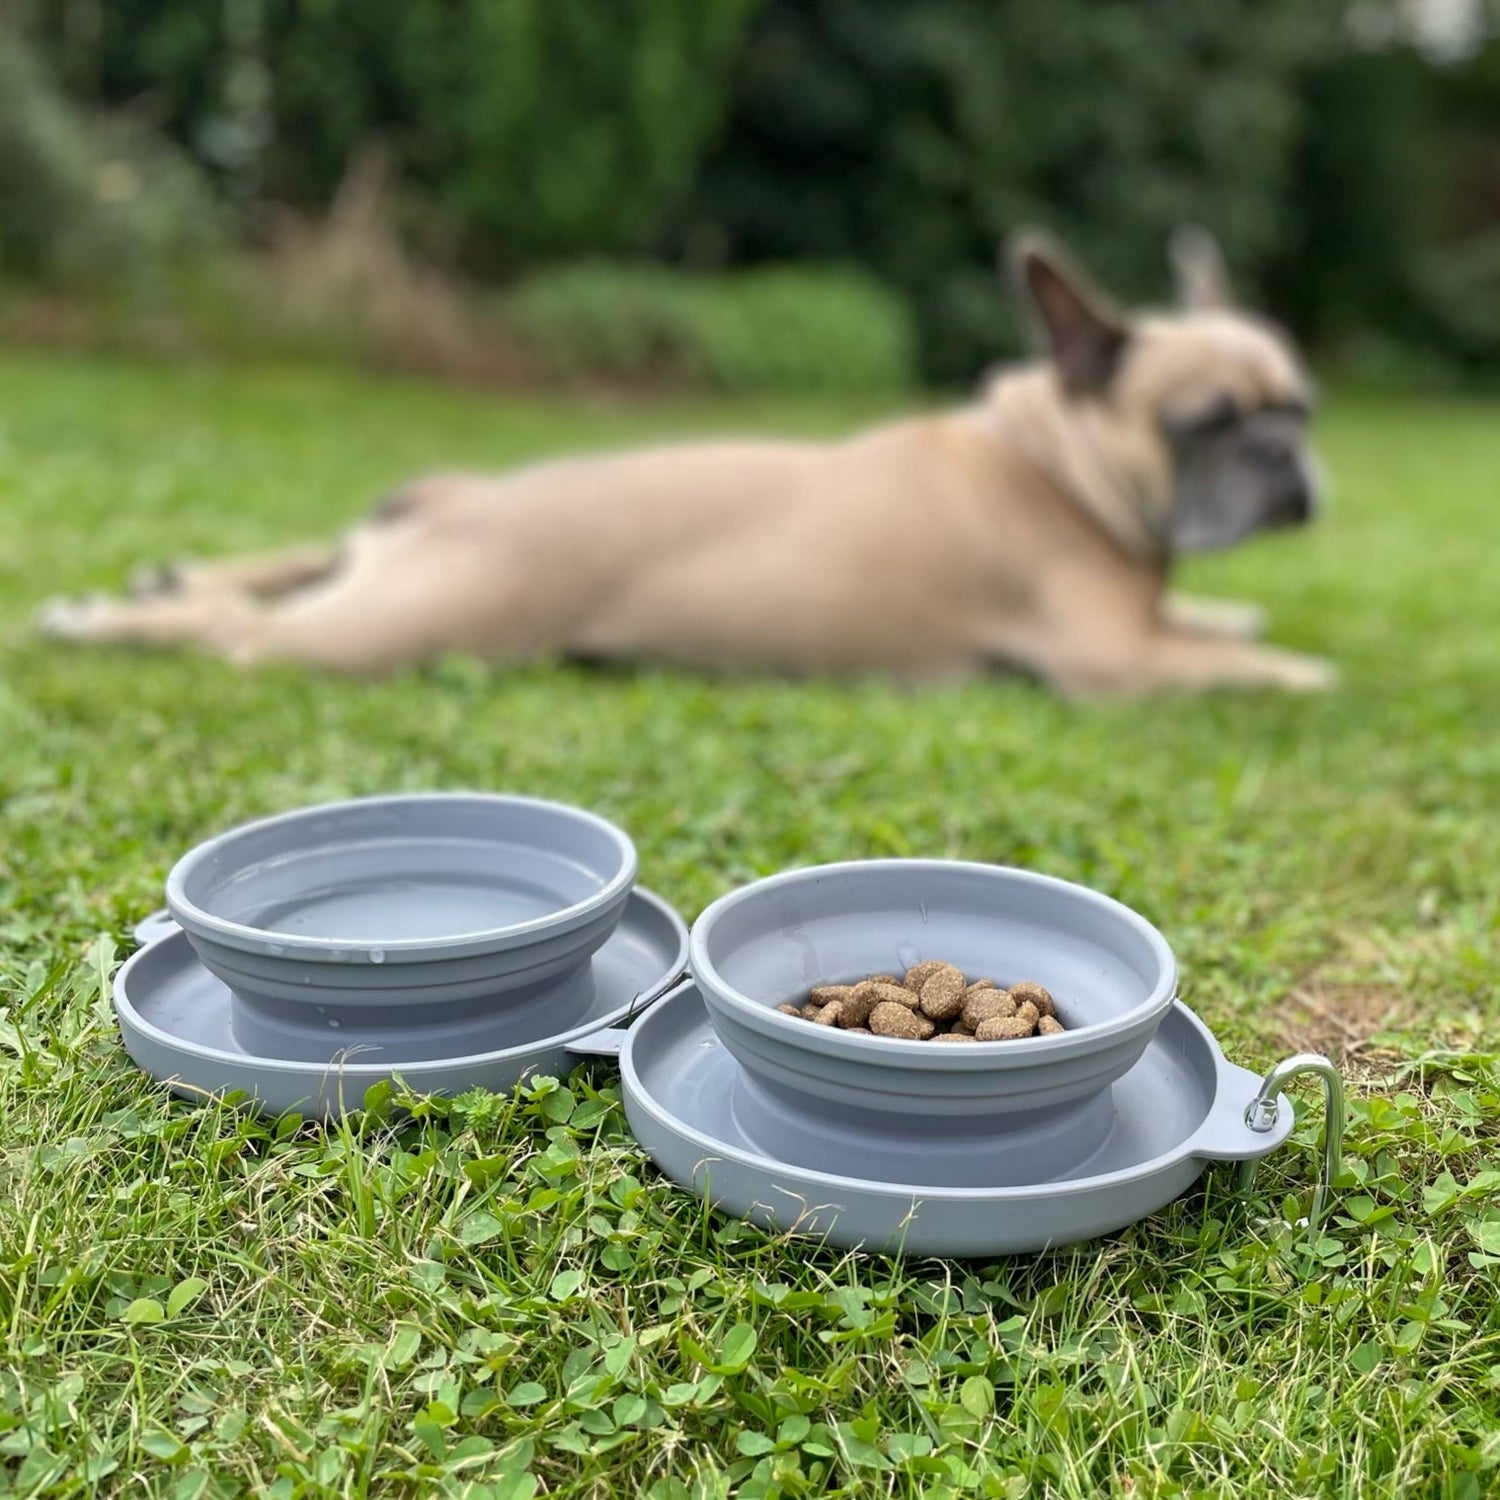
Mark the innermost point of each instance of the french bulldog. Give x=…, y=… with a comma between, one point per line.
x=1032, y=529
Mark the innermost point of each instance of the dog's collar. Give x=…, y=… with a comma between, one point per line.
x=1142, y=537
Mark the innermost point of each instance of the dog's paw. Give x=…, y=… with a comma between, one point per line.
x=1305, y=674
x=64, y=619
x=1227, y=617
x=1245, y=622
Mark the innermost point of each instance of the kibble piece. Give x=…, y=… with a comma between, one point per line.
x=1027, y=1012
x=856, y=1005
x=1003, y=1029
x=954, y=1036
x=982, y=984
x=830, y=1015
x=862, y=1030
x=894, y=994
x=1027, y=989
x=884, y=979
x=826, y=994
x=987, y=1005
x=943, y=995
x=811, y=1012
x=1049, y=1026
x=864, y=997
x=919, y=974
x=891, y=1019
x=790, y=1010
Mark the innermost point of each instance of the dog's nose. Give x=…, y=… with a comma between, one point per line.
x=1274, y=456
x=1291, y=485
x=1295, y=500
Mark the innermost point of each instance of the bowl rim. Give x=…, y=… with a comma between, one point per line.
x=266, y=941
x=763, y=1017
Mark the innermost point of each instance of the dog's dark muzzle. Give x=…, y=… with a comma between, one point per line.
x=1289, y=486
x=1296, y=506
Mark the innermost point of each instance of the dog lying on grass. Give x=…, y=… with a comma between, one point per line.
x=1031, y=530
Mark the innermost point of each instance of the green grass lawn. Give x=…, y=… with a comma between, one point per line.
x=501, y=1297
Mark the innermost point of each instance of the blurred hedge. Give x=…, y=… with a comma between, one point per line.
x=1354, y=183
x=530, y=127
x=772, y=329
x=916, y=136
x=87, y=202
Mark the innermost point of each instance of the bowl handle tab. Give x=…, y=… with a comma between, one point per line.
x=152, y=929
x=608, y=1041
x=1264, y=1110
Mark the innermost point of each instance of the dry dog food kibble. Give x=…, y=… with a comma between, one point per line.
x=932, y=1001
x=1026, y=991
x=1003, y=1028
x=890, y=1019
x=918, y=974
x=875, y=992
x=942, y=994
x=986, y=1005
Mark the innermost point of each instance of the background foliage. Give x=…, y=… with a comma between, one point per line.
x=529, y=128
x=837, y=330
x=918, y=135
x=1353, y=175
x=78, y=195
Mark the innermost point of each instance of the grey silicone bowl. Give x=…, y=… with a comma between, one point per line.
x=1112, y=975
x=327, y=922
x=1179, y=1107
x=177, y=1022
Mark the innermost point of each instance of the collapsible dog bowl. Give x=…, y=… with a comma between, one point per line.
x=1180, y=1107
x=804, y=1093
x=177, y=1021
x=336, y=925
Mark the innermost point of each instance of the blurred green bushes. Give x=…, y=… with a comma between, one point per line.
x=526, y=128
x=916, y=136
x=770, y=329
x=1354, y=181
x=87, y=202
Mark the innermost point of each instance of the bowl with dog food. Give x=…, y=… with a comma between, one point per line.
x=472, y=916
x=959, y=965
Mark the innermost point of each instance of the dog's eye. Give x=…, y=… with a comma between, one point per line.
x=1208, y=421
x=1220, y=417
x=1294, y=407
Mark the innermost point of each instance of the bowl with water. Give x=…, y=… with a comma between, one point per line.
x=452, y=913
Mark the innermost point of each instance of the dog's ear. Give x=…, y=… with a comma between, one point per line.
x=1198, y=262
x=1083, y=332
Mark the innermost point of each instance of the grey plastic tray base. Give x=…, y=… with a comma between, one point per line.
x=1181, y=1106
x=175, y=1018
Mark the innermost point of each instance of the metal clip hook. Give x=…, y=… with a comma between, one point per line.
x=1261, y=1114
